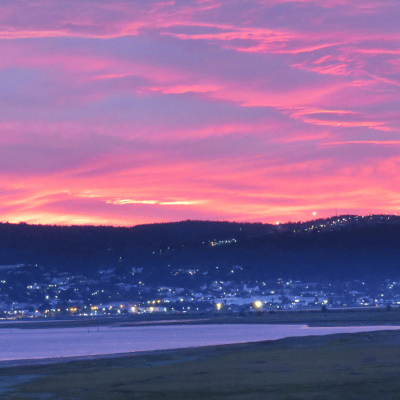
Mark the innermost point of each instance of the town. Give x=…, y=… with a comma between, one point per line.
x=195, y=278
x=109, y=294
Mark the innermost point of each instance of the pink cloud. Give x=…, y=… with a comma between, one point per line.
x=130, y=112
x=291, y=196
x=371, y=142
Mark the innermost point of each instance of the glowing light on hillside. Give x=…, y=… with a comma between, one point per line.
x=258, y=304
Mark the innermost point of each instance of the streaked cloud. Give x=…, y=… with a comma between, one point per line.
x=162, y=203
x=124, y=112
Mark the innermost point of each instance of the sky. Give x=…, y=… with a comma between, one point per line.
x=134, y=112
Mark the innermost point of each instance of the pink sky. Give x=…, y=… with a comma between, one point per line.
x=130, y=112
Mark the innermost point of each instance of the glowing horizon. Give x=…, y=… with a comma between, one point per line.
x=124, y=112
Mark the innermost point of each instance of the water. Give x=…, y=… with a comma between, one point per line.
x=17, y=344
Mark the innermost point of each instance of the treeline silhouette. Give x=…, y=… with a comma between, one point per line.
x=263, y=251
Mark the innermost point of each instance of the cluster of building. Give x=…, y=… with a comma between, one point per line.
x=108, y=294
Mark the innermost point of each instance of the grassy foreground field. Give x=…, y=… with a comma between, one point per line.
x=344, y=366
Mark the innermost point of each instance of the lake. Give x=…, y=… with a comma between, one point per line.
x=17, y=344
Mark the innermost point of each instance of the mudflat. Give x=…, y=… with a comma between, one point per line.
x=342, y=366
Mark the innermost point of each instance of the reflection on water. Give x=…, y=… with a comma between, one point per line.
x=62, y=342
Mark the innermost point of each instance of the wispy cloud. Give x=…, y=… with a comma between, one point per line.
x=124, y=112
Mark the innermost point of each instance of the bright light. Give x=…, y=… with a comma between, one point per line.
x=314, y=213
x=218, y=306
x=258, y=304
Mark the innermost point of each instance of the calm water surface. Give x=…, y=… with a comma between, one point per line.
x=19, y=344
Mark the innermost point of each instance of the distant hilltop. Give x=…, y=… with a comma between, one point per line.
x=340, y=247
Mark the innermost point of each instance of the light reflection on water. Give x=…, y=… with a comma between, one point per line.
x=63, y=342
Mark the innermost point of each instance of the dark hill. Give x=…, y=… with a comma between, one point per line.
x=345, y=247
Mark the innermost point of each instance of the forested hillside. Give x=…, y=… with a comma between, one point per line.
x=343, y=247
